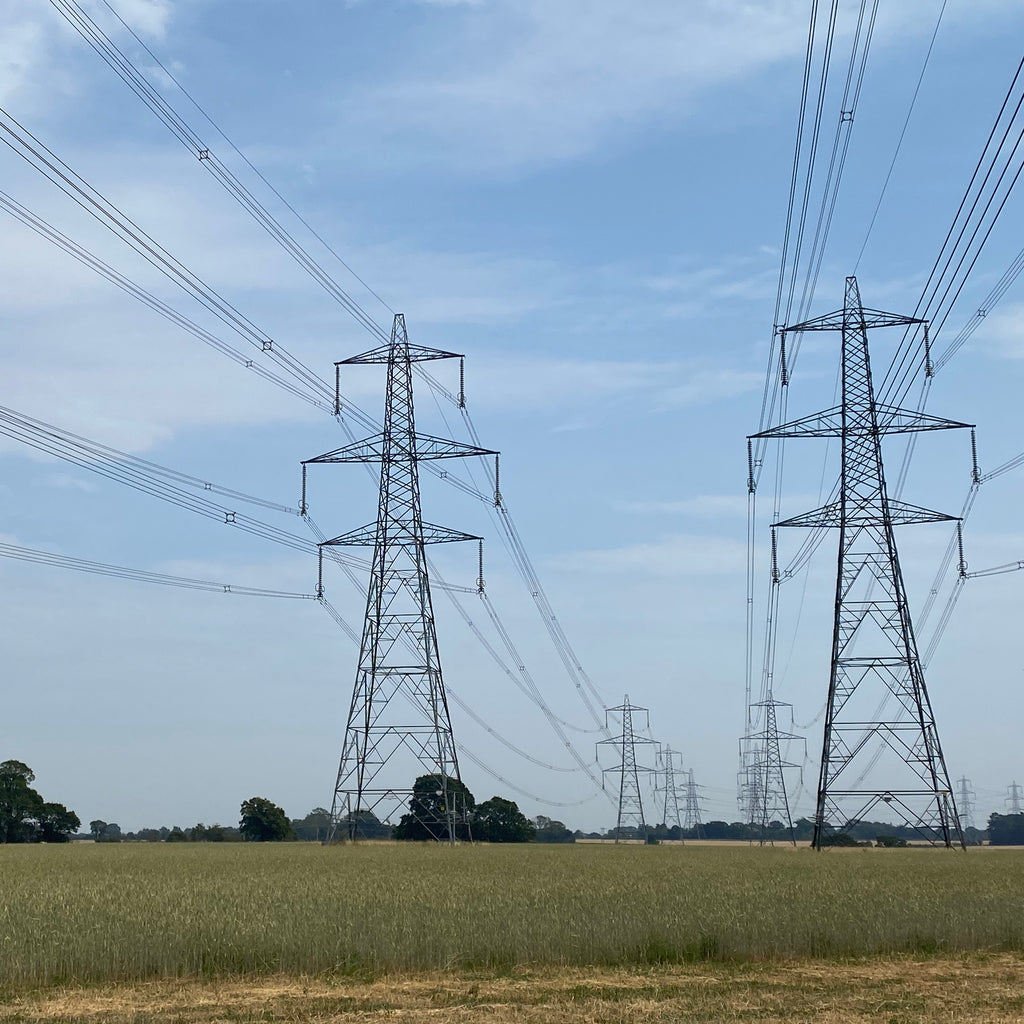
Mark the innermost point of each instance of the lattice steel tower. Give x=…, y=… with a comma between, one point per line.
x=398, y=724
x=880, y=743
x=966, y=799
x=669, y=789
x=767, y=767
x=631, y=805
x=1013, y=799
x=692, y=819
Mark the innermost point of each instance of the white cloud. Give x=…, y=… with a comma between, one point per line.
x=675, y=555
x=30, y=67
x=704, y=506
x=147, y=17
x=711, y=385
x=1002, y=332
x=537, y=382
x=527, y=81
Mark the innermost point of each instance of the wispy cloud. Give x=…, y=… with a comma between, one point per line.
x=1002, y=332
x=675, y=555
x=537, y=382
x=33, y=35
x=542, y=81
x=704, y=506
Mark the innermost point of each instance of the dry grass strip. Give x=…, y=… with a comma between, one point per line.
x=982, y=988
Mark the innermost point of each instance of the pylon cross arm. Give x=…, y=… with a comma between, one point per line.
x=889, y=419
x=861, y=318
x=382, y=354
x=375, y=449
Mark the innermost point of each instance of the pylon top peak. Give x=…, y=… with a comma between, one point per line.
x=399, y=343
x=385, y=353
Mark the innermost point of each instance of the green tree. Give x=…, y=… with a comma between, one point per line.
x=56, y=823
x=367, y=826
x=24, y=816
x=109, y=833
x=500, y=821
x=264, y=822
x=433, y=806
x=551, y=831
x=1006, y=830
x=315, y=826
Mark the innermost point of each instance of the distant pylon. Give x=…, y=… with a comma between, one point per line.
x=669, y=788
x=749, y=777
x=398, y=724
x=768, y=769
x=631, y=805
x=965, y=801
x=873, y=753
x=692, y=820
x=1013, y=798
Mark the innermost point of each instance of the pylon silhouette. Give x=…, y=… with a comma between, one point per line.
x=631, y=805
x=873, y=753
x=398, y=723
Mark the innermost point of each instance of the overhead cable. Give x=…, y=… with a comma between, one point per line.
x=140, y=575
x=123, y=67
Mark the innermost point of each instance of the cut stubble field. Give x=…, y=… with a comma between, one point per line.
x=296, y=932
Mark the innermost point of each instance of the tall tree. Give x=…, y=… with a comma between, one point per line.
x=431, y=808
x=314, y=826
x=24, y=816
x=1006, y=830
x=264, y=822
x=551, y=831
x=500, y=821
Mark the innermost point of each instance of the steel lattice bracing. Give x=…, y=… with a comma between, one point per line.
x=880, y=743
x=631, y=806
x=398, y=724
x=692, y=819
x=768, y=782
x=670, y=814
x=965, y=801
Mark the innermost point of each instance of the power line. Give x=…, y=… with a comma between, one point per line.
x=132, y=288
x=25, y=145
x=140, y=575
x=903, y=133
x=89, y=199
x=965, y=239
x=137, y=82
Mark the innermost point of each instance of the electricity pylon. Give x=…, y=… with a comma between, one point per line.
x=880, y=743
x=631, y=805
x=398, y=723
x=692, y=818
x=1013, y=799
x=965, y=801
x=669, y=789
x=768, y=768
x=749, y=778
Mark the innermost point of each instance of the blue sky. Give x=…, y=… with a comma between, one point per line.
x=588, y=200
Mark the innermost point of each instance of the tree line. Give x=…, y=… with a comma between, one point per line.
x=25, y=817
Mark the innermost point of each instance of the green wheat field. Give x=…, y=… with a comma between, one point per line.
x=87, y=914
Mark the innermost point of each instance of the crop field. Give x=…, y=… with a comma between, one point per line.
x=298, y=931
